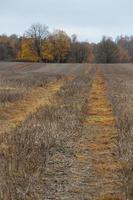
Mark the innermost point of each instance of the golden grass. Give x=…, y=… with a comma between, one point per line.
x=14, y=113
x=100, y=115
x=99, y=109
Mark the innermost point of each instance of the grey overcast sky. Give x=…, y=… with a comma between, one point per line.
x=89, y=19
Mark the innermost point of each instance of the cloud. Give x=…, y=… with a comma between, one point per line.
x=89, y=19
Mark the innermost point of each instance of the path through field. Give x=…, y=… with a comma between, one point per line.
x=14, y=113
x=95, y=167
x=90, y=171
x=102, y=143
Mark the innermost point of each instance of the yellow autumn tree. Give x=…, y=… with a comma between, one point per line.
x=48, y=54
x=26, y=52
x=57, y=47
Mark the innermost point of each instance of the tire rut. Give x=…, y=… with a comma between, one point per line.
x=95, y=168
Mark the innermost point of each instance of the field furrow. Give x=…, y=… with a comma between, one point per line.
x=14, y=113
x=94, y=169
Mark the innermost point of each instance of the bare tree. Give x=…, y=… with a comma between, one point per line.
x=38, y=33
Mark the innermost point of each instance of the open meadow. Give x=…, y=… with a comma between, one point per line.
x=66, y=131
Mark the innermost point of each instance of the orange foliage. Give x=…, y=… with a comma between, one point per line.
x=26, y=52
x=57, y=47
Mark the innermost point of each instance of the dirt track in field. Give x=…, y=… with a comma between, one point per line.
x=95, y=167
x=103, y=144
x=14, y=113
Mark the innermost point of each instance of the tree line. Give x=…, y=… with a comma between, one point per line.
x=39, y=45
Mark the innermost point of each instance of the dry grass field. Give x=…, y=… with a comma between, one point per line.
x=66, y=131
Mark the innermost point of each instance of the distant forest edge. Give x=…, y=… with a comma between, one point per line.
x=39, y=45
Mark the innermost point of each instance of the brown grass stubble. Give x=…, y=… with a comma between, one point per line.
x=119, y=89
x=34, y=167
x=24, y=144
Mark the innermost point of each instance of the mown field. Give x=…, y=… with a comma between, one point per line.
x=66, y=131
